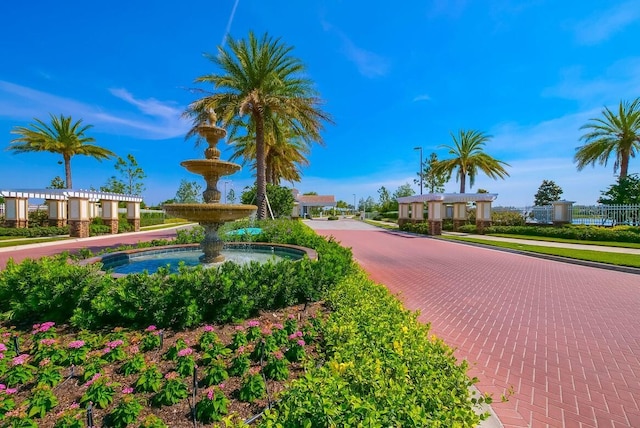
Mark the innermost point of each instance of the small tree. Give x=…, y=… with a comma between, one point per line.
x=385, y=201
x=56, y=183
x=404, y=190
x=189, y=192
x=280, y=198
x=547, y=193
x=132, y=175
x=625, y=192
x=231, y=196
x=432, y=180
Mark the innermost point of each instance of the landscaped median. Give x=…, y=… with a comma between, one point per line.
x=317, y=342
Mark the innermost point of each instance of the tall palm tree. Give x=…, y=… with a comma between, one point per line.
x=617, y=134
x=261, y=81
x=62, y=136
x=469, y=157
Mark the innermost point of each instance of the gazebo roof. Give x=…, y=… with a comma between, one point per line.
x=449, y=197
x=64, y=194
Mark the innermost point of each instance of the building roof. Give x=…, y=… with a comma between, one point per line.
x=64, y=194
x=449, y=197
x=316, y=200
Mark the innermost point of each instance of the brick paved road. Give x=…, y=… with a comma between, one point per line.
x=566, y=338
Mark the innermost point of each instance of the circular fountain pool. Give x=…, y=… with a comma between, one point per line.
x=152, y=259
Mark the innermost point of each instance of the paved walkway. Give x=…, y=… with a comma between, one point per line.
x=563, y=338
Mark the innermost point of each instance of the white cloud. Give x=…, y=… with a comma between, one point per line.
x=423, y=97
x=153, y=119
x=602, y=25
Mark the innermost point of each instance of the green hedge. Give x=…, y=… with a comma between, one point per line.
x=51, y=289
x=382, y=369
x=583, y=233
x=34, y=232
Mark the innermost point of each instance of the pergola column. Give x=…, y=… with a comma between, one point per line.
x=562, y=212
x=57, y=212
x=133, y=215
x=16, y=212
x=483, y=215
x=403, y=213
x=78, y=217
x=110, y=215
x=417, y=212
x=435, y=217
x=459, y=215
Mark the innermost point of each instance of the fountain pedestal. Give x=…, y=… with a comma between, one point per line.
x=211, y=214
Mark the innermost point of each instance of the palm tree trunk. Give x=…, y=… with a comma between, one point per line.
x=463, y=181
x=261, y=181
x=67, y=170
x=624, y=164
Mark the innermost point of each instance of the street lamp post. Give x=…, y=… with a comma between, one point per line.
x=420, y=170
x=354, y=203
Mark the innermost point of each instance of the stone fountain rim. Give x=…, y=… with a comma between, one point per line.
x=310, y=253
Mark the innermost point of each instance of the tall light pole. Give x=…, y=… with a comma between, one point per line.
x=420, y=170
x=354, y=203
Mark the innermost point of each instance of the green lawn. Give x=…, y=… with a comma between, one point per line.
x=569, y=241
x=618, y=259
x=9, y=243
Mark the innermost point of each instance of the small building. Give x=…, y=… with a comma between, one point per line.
x=304, y=203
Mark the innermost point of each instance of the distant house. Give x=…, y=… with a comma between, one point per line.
x=303, y=203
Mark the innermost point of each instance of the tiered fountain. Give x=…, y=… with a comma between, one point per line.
x=211, y=214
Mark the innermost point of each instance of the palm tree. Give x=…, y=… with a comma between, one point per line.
x=259, y=82
x=614, y=134
x=285, y=152
x=62, y=137
x=469, y=157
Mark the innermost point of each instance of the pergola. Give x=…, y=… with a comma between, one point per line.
x=73, y=207
x=411, y=209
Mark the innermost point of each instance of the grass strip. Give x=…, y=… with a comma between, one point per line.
x=617, y=259
x=17, y=243
x=568, y=241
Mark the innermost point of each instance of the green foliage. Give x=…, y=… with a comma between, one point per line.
x=125, y=413
x=215, y=373
x=548, y=192
x=49, y=375
x=276, y=367
x=100, y=391
x=41, y=402
x=189, y=192
x=280, y=198
x=134, y=365
x=56, y=183
x=150, y=380
x=434, y=180
x=625, y=192
x=152, y=421
x=212, y=406
x=34, y=232
x=172, y=392
x=507, y=218
x=240, y=363
x=252, y=387
x=382, y=370
x=39, y=218
x=131, y=177
x=583, y=233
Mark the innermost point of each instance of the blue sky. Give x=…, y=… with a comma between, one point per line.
x=393, y=76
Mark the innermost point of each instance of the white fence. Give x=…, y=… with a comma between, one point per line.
x=594, y=215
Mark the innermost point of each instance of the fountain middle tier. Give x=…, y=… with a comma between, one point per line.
x=210, y=167
x=215, y=213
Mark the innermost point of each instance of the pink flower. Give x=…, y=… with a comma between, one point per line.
x=47, y=342
x=253, y=323
x=105, y=351
x=76, y=344
x=300, y=342
x=1, y=356
x=127, y=390
x=291, y=316
x=114, y=344
x=10, y=391
x=92, y=380
x=208, y=328
x=41, y=328
x=222, y=385
x=184, y=352
x=74, y=405
x=44, y=362
x=278, y=326
x=240, y=349
x=266, y=331
x=134, y=349
x=239, y=328
x=171, y=376
x=278, y=355
x=3, y=386
x=151, y=328
x=3, y=347
x=20, y=359
x=254, y=370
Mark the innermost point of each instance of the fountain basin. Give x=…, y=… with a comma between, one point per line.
x=210, y=213
x=151, y=259
x=208, y=167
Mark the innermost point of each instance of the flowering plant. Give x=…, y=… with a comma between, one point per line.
x=173, y=390
x=49, y=349
x=127, y=410
x=150, y=380
x=291, y=324
x=239, y=338
x=216, y=373
x=114, y=351
x=186, y=362
x=152, y=421
x=70, y=418
x=100, y=391
x=43, y=331
x=276, y=367
x=279, y=334
x=208, y=339
x=135, y=365
x=263, y=348
x=6, y=402
x=20, y=372
x=240, y=363
x=76, y=352
x=41, y=402
x=252, y=387
x=296, y=347
x=48, y=374
x=151, y=339
x=18, y=418
x=172, y=353
x=212, y=406
x=253, y=330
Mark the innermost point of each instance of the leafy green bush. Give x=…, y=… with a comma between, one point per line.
x=382, y=370
x=584, y=233
x=151, y=219
x=34, y=232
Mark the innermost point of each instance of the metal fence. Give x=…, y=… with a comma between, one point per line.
x=594, y=215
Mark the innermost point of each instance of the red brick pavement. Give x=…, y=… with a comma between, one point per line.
x=565, y=338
